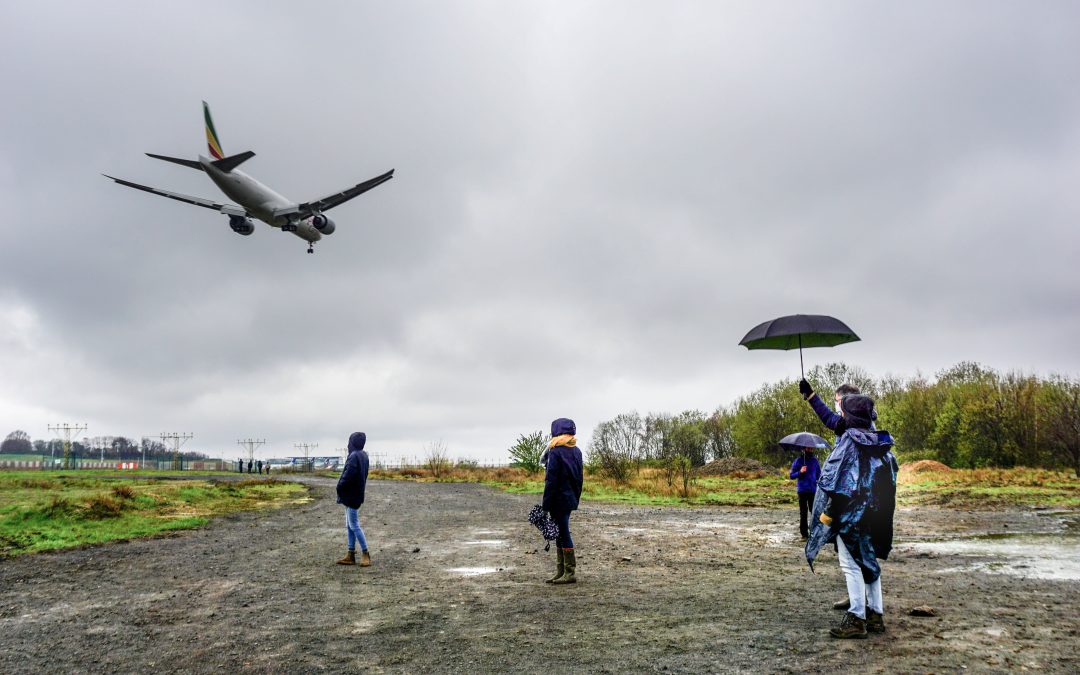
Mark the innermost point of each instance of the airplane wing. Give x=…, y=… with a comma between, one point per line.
x=339, y=198
x=229, y=209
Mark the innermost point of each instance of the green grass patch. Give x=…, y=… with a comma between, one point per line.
x=42, y=511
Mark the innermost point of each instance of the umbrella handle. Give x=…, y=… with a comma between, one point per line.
x=802, y=371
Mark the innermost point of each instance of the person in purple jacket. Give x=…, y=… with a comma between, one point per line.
x=806, y=470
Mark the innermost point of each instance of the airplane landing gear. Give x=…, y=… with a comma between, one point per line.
x=311, y=247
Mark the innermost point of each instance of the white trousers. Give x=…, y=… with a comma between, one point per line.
x=860, y=594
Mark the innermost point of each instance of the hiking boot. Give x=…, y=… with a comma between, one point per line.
x=844, y=604
x=558, y=570
x=349, y=559
x=875, y=623
x=569, y=567
x=365, y=559
x=851, y=627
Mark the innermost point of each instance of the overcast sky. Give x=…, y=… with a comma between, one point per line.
x=593, y=202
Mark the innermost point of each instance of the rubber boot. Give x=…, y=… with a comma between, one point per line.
x=349, y=559
x=851, y=627
x=365, y=559
x=875, y=623
x=569, y=568
x=558, y=570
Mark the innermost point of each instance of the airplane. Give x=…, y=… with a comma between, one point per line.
x=306, y=220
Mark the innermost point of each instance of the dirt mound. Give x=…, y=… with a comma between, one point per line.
x=734, y=465
x=924, y=466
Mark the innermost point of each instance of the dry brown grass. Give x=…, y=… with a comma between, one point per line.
x=123, y=491
x=102, y=506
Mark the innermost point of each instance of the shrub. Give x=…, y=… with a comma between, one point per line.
x=102, y=506
x=123, y=492
x=526, y=452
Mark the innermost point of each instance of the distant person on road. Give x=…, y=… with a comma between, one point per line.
x=268, y=468
x=250, y=464
x=259, y=466
x=562, y=491
x=240, y=466
x=350, y=493
x=853, y=508
x=806, y=469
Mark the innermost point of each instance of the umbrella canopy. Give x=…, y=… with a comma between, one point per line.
x=798, y=331
x=804, y=439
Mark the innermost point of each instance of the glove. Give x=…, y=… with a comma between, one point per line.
x=825, y=520
x=805, y=389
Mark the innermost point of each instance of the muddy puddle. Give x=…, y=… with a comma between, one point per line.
x=1037, y=556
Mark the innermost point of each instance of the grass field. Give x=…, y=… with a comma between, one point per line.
x=959, y=488
x=46, y=510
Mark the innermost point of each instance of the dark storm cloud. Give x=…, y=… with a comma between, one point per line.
x=592, y=204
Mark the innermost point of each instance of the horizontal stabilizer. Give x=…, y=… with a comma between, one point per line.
x=227, y=164
x=176, y=160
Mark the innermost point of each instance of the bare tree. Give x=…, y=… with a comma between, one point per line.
x=437, y=459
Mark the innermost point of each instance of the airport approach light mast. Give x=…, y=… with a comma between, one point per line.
x=251, y=444
x=307, y=448
x=177, y=440
x=67, y=429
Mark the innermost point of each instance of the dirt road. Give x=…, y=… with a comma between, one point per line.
x=684, y=590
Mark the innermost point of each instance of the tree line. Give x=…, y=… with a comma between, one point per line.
x=118, y=448
x=967, y=416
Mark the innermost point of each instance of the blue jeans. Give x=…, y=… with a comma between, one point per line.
x=562, y=519
x=352, y=524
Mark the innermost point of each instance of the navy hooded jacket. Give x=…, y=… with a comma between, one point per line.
x=353, y=481
x=564, y=478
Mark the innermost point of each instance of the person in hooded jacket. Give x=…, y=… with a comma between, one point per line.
x=350, y=493
x=562, y=492
x=853, y=508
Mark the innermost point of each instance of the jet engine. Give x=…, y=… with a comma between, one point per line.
x=241, y=225
x=322, y=223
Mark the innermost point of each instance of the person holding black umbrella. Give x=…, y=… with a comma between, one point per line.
x=832, y=420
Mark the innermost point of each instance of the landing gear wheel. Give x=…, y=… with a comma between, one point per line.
x=311, y=248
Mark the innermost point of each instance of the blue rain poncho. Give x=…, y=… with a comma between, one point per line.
x=858, y=489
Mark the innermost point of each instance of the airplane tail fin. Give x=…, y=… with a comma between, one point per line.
x=211, y=135
x=227, y=164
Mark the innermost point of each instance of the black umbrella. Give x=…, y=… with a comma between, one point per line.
x=798, y=331
x=804, y=439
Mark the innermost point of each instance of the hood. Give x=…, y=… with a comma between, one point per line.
x=858, y=410
x=357, y=441
x=875, y=442
x=563, y=427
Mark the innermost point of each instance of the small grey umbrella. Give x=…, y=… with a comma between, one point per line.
x=804, y=439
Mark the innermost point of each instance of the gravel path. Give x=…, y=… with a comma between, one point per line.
x=456, y=586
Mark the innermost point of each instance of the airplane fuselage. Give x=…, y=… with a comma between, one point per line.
x=259, y=200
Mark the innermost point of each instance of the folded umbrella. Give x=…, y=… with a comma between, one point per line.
x=798, y=331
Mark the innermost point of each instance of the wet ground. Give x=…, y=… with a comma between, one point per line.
x=456, y=586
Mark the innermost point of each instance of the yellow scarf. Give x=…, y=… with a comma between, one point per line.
x=566, y=439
